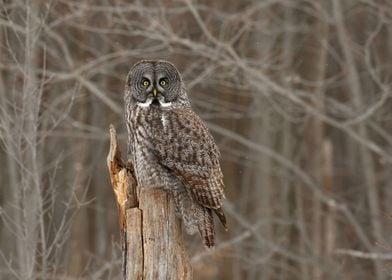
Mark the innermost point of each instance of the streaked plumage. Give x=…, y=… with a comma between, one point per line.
x=171, y=147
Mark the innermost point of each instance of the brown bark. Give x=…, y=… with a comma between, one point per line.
x=314, y=71
x=366, y=158
x=152, y=243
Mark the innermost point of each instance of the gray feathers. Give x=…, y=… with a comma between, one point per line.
x=171, y=148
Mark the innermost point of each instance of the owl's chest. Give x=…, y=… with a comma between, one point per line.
x=148, y=130
x=149, y=122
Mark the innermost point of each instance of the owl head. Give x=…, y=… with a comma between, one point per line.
x=155, y=84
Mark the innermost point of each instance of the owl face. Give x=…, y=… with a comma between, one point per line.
x=154, y=84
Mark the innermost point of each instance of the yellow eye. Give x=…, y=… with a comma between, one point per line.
x=146, y=83
x=163, y=82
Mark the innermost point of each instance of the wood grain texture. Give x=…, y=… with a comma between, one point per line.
x=122, y=179
x=152, y=244
x=134, y=264
x=165, y=256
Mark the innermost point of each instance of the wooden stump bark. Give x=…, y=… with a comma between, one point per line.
x=151, y=237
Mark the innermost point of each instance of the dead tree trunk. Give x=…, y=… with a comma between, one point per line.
x=151, y=237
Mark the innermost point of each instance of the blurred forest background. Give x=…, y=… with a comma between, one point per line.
x=297, y=94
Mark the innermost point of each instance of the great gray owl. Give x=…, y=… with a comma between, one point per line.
x=170, y=146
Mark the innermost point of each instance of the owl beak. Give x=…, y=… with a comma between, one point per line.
x=154, y=92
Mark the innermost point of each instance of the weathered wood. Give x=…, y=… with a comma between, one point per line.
x=152, y=245
x=165, y=256
x=122, y=179
x=134, y=238
x=124, y=187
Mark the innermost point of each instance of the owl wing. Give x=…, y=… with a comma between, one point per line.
x=189, y=151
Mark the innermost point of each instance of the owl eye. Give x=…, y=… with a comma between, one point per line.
x=163, y=82
x=146, y=83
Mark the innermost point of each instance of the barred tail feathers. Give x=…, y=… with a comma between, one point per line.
x=206, y=226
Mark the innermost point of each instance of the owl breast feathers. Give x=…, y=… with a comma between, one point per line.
x=171, y=147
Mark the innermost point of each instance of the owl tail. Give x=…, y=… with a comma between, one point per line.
x=221, y=216
x=206, y=227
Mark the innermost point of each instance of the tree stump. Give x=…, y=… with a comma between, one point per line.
x=151, y=237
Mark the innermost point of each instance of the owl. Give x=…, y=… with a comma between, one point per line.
x=171, y=148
